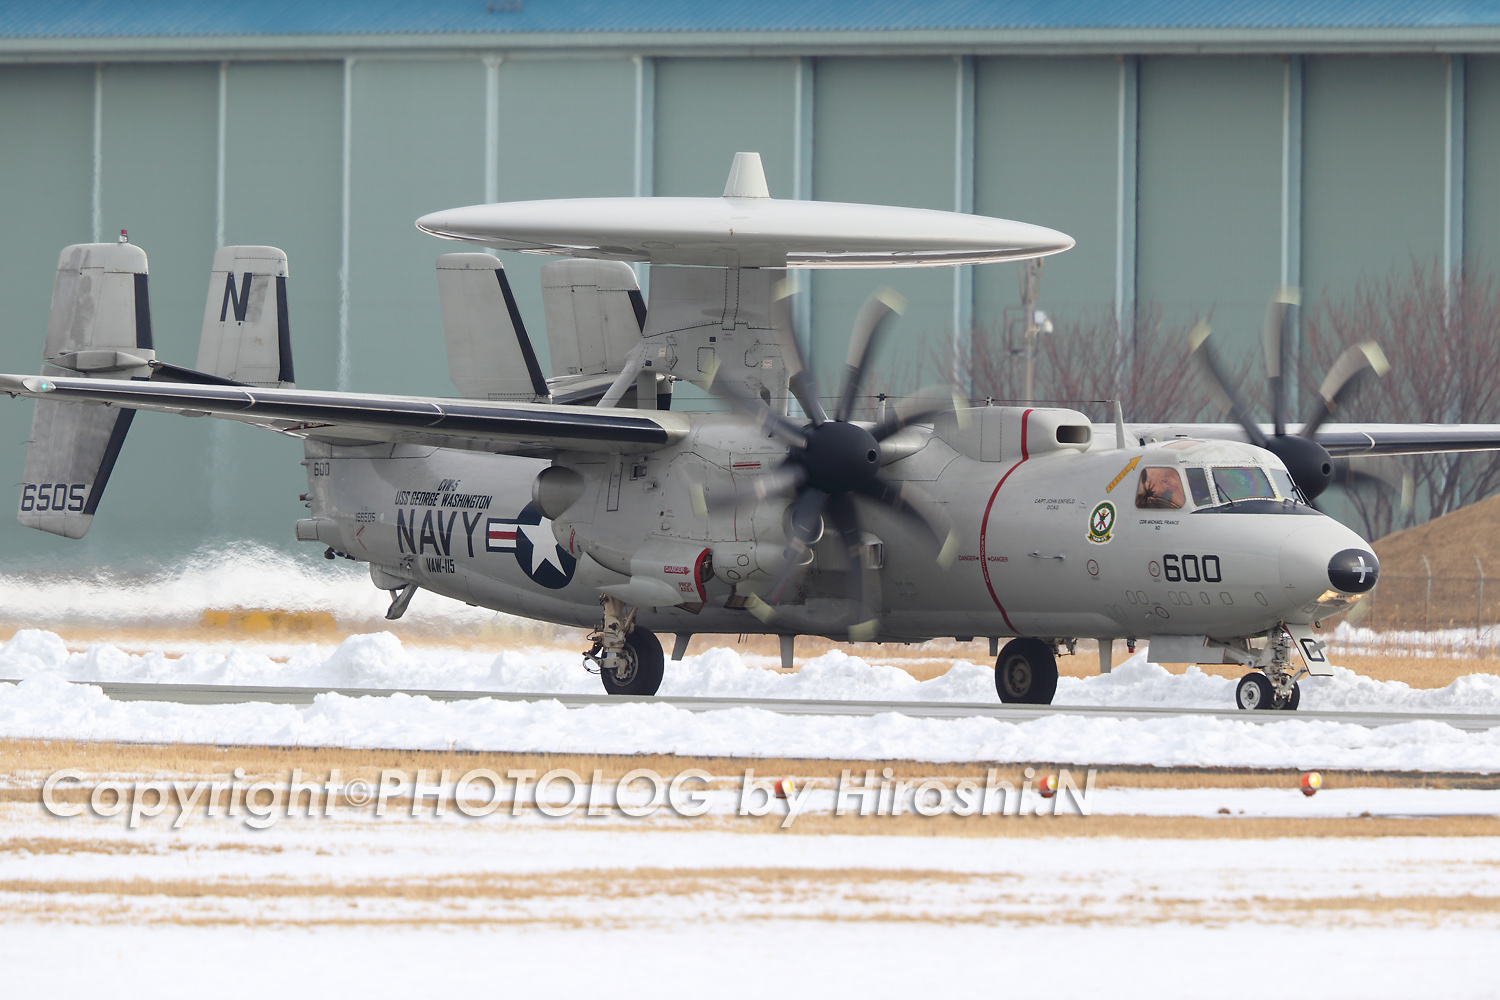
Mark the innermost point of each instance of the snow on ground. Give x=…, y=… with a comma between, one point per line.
x=781, y=957
x=349, y=903
x=389, y=907
x=381, y=660
x=249, y=576
x=43, y=706
x=242, y=575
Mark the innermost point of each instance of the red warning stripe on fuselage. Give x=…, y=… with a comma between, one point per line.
x=984, y=524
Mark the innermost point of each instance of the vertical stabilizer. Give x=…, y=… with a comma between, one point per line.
x=100, y=326
x=246, y=326
x=595, y=314
x=489, y=354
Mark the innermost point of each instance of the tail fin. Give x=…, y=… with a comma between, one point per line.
x=246, y=330
x=100, y=325
x=489, y=353
x=595, y=315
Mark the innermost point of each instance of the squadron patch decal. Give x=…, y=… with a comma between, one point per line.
x=1102, y=523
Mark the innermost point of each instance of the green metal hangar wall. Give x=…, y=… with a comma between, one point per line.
x=1200, y=153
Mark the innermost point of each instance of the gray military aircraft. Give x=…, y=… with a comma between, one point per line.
x=583, y=499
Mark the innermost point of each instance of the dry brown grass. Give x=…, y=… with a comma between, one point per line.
x=1142, y=827
x=903, y=825
x=583, y=898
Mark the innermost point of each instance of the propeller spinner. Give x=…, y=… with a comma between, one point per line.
x=1311, y=467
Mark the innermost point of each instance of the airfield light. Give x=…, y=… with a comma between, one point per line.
x=1311, y=782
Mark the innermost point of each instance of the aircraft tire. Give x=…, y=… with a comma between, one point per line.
x=1026, y=673
x=1294, y=700
x=643, y=651
x=1254, y=692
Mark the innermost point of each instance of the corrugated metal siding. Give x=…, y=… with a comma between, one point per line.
x=1209, y=190
x=880, y=138
x=1372, y=170
x=1045, y=151
x=1482, y=163
x=206, y=18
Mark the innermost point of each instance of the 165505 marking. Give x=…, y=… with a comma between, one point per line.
x=54, y=496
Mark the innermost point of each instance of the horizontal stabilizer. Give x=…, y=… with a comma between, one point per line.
x=595, y=314
x=100, y=326
x=246, y=327
x=489, y=354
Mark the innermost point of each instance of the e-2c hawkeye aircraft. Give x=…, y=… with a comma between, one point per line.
x=583, y=499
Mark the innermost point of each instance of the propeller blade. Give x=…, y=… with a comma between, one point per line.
x=784, y=480
x=921, y=406
x=1208, y=365
x=805, y=529
x=864, y=580
x=917, y=506
x=1380, y=470
x=867, y=329
x=768, y=420
x=800, y=378
x=1352, y=368
x=1278, y=345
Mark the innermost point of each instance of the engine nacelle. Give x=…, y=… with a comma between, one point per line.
x=666, y=572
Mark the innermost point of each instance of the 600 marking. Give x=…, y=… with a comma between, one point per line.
x=1191, y=569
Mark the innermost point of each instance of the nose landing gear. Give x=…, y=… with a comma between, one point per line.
x=1277, y=687
x=1255, y=691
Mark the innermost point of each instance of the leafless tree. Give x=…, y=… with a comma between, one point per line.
x=1442, y=336
x=1084, y=363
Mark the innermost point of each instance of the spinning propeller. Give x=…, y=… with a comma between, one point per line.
x=832, y=459
x=1311, y=467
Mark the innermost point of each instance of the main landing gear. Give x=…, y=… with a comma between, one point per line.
x=627, y=659
x=1026, y=672
x=1277, y=687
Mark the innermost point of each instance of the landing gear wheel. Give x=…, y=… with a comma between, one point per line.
x=1296, y=699
x=638, y=668
x=1254, y=692
x=1026, y=673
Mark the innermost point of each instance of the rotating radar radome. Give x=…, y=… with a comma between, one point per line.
x=745, y=228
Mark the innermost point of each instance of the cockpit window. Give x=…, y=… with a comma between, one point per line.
x=1243, y=483
x=1159, y=488
x=1285, y=486
x=1198, y=483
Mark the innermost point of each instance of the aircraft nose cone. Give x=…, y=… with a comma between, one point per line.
x=1324, y=555
x=1353, y=571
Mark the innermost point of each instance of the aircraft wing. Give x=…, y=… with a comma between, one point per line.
x=365, y=418
x=1354, y=439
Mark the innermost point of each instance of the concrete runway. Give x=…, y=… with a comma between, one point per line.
x=227, y=694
